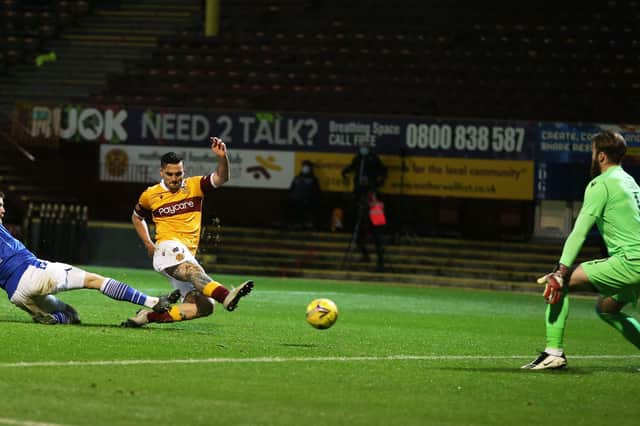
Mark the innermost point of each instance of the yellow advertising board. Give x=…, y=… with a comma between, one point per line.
x=434, y=176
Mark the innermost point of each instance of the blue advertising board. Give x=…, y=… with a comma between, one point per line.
x=563, y=157
x=286, y=131
x=561, y=151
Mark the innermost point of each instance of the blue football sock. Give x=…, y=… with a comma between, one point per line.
x=62, y=317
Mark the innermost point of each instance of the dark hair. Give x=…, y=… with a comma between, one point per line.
x=612, y=144
x=170, y=158
x=1, y=194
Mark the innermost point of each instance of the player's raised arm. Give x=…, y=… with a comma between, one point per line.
x=222, y=172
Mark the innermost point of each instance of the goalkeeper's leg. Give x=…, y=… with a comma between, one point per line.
x=609, y=310
x=617, y=279
x=556, y=315
x=555, y=322
x=556, y=318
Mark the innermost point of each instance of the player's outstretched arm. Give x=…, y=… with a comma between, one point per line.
x=219, y=148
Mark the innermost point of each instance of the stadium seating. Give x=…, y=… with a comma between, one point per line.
x=27, y=24
x=25, y=27
x=543, y=60
x=502, y=60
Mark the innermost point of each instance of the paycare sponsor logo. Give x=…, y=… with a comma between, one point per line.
x=179, y=207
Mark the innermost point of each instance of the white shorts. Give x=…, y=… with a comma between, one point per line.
x=171, y=253
x=46, y=278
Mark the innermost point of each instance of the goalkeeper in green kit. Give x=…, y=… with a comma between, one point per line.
x=612, y=202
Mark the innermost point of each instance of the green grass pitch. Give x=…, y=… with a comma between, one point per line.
x=398, y=355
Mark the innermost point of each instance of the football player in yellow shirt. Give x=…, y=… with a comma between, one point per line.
x=175, y=207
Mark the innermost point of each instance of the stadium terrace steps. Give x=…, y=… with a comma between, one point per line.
x=98, y=44
x=78, y=68
x=394, y=278
x=416, y=260
x=122, y=29
x=19, y=181
x=10, y=178
x=22, y=182
x=160, y=7
x=135, y=15
x=540, y=246
x=112, y=38
x=74, y=79
x=394, y=264
x=431, y=248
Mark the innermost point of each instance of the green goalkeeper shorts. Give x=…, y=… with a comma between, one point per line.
x=615, y=276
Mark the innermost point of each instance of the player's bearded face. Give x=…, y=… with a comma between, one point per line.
x=172, y=176
x=595, y=165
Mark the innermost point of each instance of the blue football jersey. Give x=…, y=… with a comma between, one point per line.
x=14, y=259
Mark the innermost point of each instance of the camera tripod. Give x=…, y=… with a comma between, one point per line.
x=362, y=214
x=346, y=260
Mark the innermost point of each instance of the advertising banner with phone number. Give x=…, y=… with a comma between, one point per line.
x=441, y=155
x=409, y=136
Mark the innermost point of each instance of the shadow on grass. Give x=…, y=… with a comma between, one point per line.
x=299, y=345
x=169, y=328
x=570, y=371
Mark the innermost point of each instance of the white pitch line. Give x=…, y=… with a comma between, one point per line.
x=289, y=359
x=6, y=421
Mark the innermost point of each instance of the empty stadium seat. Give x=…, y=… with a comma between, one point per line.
x=26, y=25
x=502, y=60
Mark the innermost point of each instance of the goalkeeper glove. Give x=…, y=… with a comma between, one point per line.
x=553, y=284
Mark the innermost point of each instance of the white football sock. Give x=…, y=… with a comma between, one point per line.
x=554, y=351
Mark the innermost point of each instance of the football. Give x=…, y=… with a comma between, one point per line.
x=322, y=313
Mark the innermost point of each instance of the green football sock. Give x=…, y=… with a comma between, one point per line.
x=625, y=324
x=556, y=317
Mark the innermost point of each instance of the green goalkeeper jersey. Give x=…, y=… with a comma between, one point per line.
x=612, y=202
